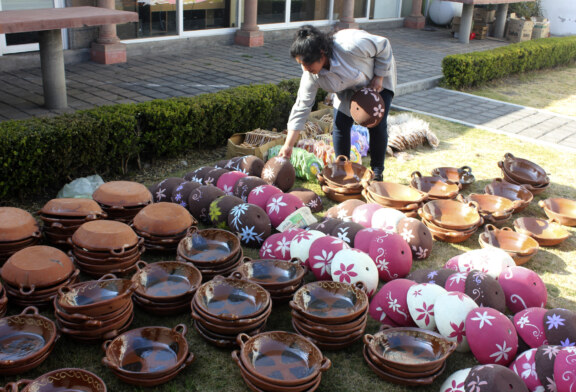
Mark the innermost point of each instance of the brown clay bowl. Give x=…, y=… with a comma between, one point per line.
x=123, y=194
x=94, y=323
x=54, y=222
x=224, y=330
x=37, y=266
x=283, y=358
x=462, y=175
x=38, y=293
x=520, y=247
x=523, y=170
x=329, y=302
x=152, y=382
x=14, y=246
x=163, y=219
x=336, y=329
x=137, y=249
x=346, y=174
x=451, y=236
x=514, y=192
x=434, y=186
x=410, y=349
x=219, y=246
x=67, y=379
x=410, y=210
x=60, y=231
x=241, y=322
x=71, y=207
x=395, y=379
x=493, y=205
x=560, y=210
x=148, y=352
x=394, y=195
x=16, y=224
x=267, y=386
x=20, y=368
x=83, y=319
x=534, y=189
x=107, y=331
x=546, y=233
x=95, y=297
x=451, y=214
x=25, y=338
x=340, y=197
x=339, y=189
x=224, y=268
x=273, y=274
x=397, y=372
x=163, y=308
x=326, y=338
x=166, y=281
x=223, y=341
x=105, y=236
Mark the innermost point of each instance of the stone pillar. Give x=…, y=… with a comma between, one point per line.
x=347, y=20
x=53, y=73
x=416, y=20
x=466, y=23
x=249, y=33
x=500, y=23
x=108, y=49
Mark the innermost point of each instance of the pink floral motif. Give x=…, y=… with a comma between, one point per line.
x=344, y=273
x=305, y=235
x=457, y=332
x=425, y=312
x=454, y=387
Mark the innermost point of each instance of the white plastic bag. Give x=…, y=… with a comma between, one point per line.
x=81, y=187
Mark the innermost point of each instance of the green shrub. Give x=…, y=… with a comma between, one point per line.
x=477, y=68
x=40, y=155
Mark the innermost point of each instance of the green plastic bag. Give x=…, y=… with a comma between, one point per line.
x=306, y=164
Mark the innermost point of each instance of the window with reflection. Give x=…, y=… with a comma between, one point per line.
x=305, y=10
x=271, y=11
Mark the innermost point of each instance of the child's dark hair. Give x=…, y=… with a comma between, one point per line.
x=310, y=43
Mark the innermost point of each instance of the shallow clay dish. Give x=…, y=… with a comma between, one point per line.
x=166, y=281
x=395, y=195
x=211, y=247
x=523, y=170
x=410, y=349
x=231, y=299
x=122, y=194
x=520, y=247
x=280, y=357
x=72, y=207
x=37, y=266
x=105, y=235
x=534, y=189
x=271, y=273
x=16, y=224
x=67, y=379
x=544, y=232
x=25, y=338
x=493, y=205
x=451, y=214
x=330, y=302
x=463, y=174
x=346, y=174
x=163, y=219
x=436, y=187
x=340, y=197
x=560, y=210
x=514, y=192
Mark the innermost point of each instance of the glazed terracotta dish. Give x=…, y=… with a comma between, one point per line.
x=546, y=233
x=434, y=186
x=451, y=214
x=520, y=247
x=560, y=210
x=523, y=170
x=463, y=174
x=67, y=379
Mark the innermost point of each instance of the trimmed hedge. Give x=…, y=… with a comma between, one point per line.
x=477, y=68
x=42, y=154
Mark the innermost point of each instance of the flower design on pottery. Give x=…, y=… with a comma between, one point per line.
x=454, y=387
x=551, y=384
x=305, y=235
x=479, y=276
x=483, y=318
x=345, y=273
x=407, y=234
x=555, y=321
x=237, y=213
x=258, y=190
x=458, y=331
x=313, y=203
x=378, y=111
x=417, y=293
x=160, y=194
x=267, y=250
x=268, y=173
x=421, y=253
x=567, y=343
x=523, y=321
x=283, y=246
x=342, y=215
x=382, y=313
x=209, y=181
x=247, y=234
x=214, y=212
x=551, y=351
x=275, y=205
x=227, y=189
x=425, y=312
x=502, y=352
x=528, y=370
x=432, y=274
x=395, y=306
x=476, y=384
x=458, y=277
x=196, y=179
x=343, y=234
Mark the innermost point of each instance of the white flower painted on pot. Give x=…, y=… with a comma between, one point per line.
x=476, y=384
x=324, y=264
x=275, y=205
x=458, y=277
x=283, y=246
x=237, y=213
x=501, y=353
x=268, y=173
x=342, y=215
x=407, y=234
x=343, y=234
x=523, y=321
x=160, y=194
x=483, y=318
x=528, y=369
x=420, y=252
x=267, y=250
x=228, y=189
x=196, y=179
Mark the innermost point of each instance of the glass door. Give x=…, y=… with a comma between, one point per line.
x=22, y=42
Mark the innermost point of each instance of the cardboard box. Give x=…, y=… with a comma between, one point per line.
x=519, y=30
x=480, y=30
x=483, y=15
x=237, y=148
x=541, y=27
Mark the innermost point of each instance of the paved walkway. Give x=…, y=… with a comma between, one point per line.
x=188, y=71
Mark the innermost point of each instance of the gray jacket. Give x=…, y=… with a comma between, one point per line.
x=357, y=57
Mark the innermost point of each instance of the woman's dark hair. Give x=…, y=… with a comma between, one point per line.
x=310, y=43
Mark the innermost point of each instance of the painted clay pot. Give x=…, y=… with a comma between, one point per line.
x=456, y=381
x=250, y=223
x=200, y=199
x=420, y=299
x=250, y=164
x=417, y=236
x=489, y=260
x=227, y=181
x=525, y=367
x=485, y=290
x=220, y=208
x=491, y=336
x=488, y=378
x=529, y=324
x=278, y=171
x=565, y=369
x=367, y=107
x=451, y=310
x=363, y=213
x=560, y=327
x=199, y=174
x=326, y=225
x=545, y=357
x=365, y=237
x=277, y=246
x=429, y=275
x=523, y=289
x=392, y=256
x=352, y=266
x=261, y=194
x=182, y=193
x=310, y=198
x=213, y=175
x=347, y=231
x=280, y=206
x=321, y=254
x=244, y=186
x=163, y=190
x=344, y=210
x=301, y=243
x=391, y=302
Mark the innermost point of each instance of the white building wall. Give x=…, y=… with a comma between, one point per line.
x=562, y=15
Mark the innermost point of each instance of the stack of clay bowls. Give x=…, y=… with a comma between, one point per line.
x=435, y=187
x=33, y=275
x=400, y=197
x=26, y=340
x=104, y=246
x=546, y=233
x=225, y=307
x=166, y=287
x=407, y=356
x=73, y=380
x=342, y=180
x=560, y=210
x=332, y=314
x=516, y=193
x=162, y=225
x=524, y=172
x=122, y=200
x=281, y=278
x=280, y=361
x=521, y=247
x=213, y=251
x=95, y=310
x=3, y=301
x=18, y=229
x=148, y=356
x=451, y=220
x=62, y=217
x=492, y=208
x=462, y=175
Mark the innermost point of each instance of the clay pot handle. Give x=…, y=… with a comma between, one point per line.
x=196, y=316
x=461, y=198
x=509, y=155
x=360, y=285
x=107, y=277
x=63, y=290
x=506, y=229
x=246, y=259
x=106, y=344
x=490, y=227
x=416, y=173
x=368, y=339
x=106, y=362
x=15, y=386
x=118, y=252
x=91, y=217
x=436, y=172
x=541, y=203
x=69, y=241
x=452, y=345
x=296, y=260
x=473, y=204
x=27, y=291
x=242, y=339
x=141, y=264
x=189, y=359
x=180, y=329
x=36, y=234
x=236, y=356
x=294, y=306
x=56, y=225
x=237, y=275
x=93, y=323
x=115, y=208
x=111, y=334
x=465, y=169
x=30, y=310
x=325, y=365
x=320, y=179
x=501, y=164
x=341, y=158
